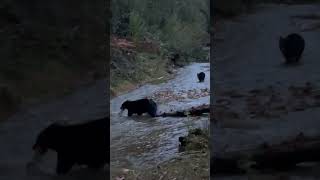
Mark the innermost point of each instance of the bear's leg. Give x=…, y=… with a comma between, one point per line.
x=96, y=166
x=130, y=113
x=64, y=164
x=98, y=160
x=152, y=113
x=140, y=113
x=152, y=110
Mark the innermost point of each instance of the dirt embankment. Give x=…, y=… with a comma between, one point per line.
x=49, y=48
x=136, y=63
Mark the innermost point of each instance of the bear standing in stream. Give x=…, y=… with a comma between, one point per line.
x=82, y=144
x=140, y=106
x=292, y=47
x=201, y=76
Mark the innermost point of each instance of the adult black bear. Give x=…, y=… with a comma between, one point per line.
x=83, y=144
x=292, y=47
x=140, y=106
x=201, y=76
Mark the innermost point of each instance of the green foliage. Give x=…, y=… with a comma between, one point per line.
x=137, y=27
x=179, y=25
x=120, y=17
x=184, y=38
x=132, y=70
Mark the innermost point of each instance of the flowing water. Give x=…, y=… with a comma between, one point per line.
x=139, y=142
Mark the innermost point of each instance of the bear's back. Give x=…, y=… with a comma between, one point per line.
x=294, y=44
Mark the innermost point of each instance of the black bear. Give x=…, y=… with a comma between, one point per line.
x=140, y=106
x=201, y=76
x=292, y=47
x=175, y=58
x=83, y=144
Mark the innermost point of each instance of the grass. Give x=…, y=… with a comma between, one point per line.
x=193, y=165
x=197, y=140
x=138, y=69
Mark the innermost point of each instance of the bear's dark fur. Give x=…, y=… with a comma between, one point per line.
x=140, y=106
x=292, y=47
x=83, y=144
x=201, y=76
x=174, y=58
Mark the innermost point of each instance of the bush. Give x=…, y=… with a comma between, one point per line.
x=179, y=25
x=137, y=27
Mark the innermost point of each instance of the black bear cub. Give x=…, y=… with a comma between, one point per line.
x=292, y=47
x=83, y=144
x=201, y=76
x=140, y=106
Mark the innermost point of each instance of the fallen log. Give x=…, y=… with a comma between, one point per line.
x=193, y=111
x=282, y=156
x=174, y=114
x=288, y=154
x=199, y=110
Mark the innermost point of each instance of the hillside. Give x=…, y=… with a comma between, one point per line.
x=48, y=49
